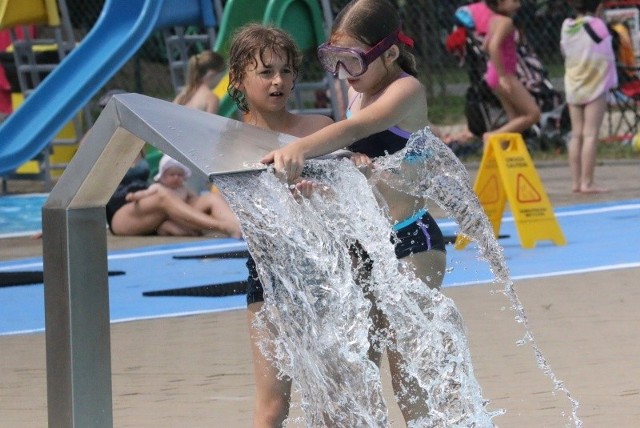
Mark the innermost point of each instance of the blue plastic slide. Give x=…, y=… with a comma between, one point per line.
x=123, y=26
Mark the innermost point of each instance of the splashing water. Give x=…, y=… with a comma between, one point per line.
x=427, y=168
x=319, y=311
x=317, y=301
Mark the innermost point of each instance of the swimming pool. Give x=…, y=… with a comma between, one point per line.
x=21, y=214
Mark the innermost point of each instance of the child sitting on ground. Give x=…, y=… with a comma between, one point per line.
x=172, y=175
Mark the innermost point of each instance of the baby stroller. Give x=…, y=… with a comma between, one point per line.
x=483, y=110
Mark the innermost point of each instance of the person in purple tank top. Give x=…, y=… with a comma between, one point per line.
x=387, y=103
x=520, y=106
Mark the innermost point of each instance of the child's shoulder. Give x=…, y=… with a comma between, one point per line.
x=317, y=120
x=406, y=85
x=598, y=24
x=568, y=21
x=306, y=124
x=407, y=79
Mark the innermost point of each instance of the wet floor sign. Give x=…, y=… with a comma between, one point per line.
x=507, y=173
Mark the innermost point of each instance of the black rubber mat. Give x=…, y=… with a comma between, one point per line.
x=211, y=290
x=449, y=239
x=12, y=279
x=243, y=254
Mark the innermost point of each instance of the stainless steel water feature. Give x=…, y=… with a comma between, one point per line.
x=74, y=236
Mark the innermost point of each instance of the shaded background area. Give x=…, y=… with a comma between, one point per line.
x=427, y=21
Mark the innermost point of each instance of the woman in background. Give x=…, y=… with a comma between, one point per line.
x=204, y=72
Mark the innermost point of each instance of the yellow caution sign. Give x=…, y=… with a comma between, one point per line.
x=507, y=173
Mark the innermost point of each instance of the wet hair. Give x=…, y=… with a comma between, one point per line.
x=258, y=39
x=584, y=6
x=199, y=65
x=370, y=21
x=493, y=5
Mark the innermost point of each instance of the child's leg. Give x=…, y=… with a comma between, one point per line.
x=272, y=393
x=593, y=116
x=576, y=114
x=170, y=228
x=216, y=206
x=520, y=106
x=412, y=399
x=148, y=209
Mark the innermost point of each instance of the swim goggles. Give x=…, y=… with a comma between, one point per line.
x=354, y=61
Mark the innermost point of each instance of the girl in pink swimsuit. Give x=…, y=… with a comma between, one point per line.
x=521, y=108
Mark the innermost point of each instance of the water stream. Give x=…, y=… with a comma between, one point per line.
x=316, y=309
x=427, y=168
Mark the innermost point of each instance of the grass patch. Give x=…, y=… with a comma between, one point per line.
x=447, y=110
x=606, y=151
x=617, y=150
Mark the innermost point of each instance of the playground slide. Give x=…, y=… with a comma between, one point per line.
x=122, y=28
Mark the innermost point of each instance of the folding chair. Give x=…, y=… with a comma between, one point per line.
x=623, y=107
x=623, y=20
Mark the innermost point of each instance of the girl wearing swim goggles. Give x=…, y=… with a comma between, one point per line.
x=354, y=61
x=385, y=106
